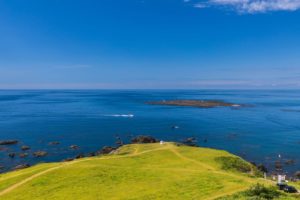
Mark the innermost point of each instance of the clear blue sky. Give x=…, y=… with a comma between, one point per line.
x=149, y=44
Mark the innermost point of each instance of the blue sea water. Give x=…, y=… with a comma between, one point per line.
x=269, y=126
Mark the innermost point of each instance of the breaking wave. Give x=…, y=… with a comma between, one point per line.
x=121, y=115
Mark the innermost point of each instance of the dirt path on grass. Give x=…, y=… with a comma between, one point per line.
x=224, y=194
x=208, y=167
x=133, y=154
x=28, y=179
x=11, y=188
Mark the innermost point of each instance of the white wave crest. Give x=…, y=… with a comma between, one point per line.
x=121, y=115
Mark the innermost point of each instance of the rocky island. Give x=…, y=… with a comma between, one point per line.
x=195, y=103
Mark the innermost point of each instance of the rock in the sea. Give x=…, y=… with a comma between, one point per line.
x=23, y=166
x=12, y=155
x=191, y=141
x=92, y=154
x=23, y=155
x=289, y=162
x=8, y=142
x=1, y=167
x=195, y=103
x=79, y=156
x=25, y=148
x=74, y=147
x=68, y=159
x=3, y=149
x=40, y=154
x=143, y=139
x=54, y=143
x=119, y=142
x=106, y=150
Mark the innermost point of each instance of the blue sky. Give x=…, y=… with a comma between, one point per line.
x=149, y=44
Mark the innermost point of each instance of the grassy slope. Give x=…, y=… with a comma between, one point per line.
x=146, y=171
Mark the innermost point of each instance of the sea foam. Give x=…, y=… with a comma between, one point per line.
x=121, y=115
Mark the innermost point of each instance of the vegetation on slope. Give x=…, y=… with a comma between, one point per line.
x=261, y=192
x=139, y=171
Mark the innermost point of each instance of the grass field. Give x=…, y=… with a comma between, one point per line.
x=134, y=172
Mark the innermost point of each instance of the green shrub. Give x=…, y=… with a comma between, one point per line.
x=256, y=192
x=260, y=191
x=234, y=163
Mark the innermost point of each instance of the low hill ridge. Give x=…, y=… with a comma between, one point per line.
x=134, y=172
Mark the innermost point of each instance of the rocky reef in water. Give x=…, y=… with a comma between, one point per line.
x=195, y=103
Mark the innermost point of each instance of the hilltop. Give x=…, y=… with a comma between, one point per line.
x=136, y=171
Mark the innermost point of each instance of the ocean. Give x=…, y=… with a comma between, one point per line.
x=261, y=132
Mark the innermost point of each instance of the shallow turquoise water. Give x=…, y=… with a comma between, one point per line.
x=269, y=126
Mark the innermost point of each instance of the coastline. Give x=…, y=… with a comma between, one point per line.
x=186, y=165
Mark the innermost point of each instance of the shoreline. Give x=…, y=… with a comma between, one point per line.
x=142, y=139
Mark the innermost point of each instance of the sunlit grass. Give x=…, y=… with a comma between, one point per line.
x=145, y=171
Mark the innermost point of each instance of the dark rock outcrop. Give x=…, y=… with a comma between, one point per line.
x=191, y=141
x=106, y=150
x=25, y=148
x=40, y=154
x=3, y=149
x=289, y=162
x=119, y=142
x=143, y=139
x=23, y=155
x=92, y=154
x=54, y=143
x=12, y=155
x=22, y=166
x=74, y=147
x=8, y=142
x=68, y=159
x=79, y=156
x=195, y=103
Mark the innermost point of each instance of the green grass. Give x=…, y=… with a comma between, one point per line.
x=134, y=172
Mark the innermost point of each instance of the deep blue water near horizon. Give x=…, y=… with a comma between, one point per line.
x=93, y=118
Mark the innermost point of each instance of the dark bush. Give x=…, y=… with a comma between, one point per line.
x=106, y=150
x=260, y=191
x=143, y=139
x=297, y=174
x=234, y=163
x=262, y=168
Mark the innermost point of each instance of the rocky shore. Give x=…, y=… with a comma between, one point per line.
x=25, y=152
x=24, y=155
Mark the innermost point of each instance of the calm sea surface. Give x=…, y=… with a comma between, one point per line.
x=91, y=119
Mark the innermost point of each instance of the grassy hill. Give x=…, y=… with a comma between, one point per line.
x=135, y=172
